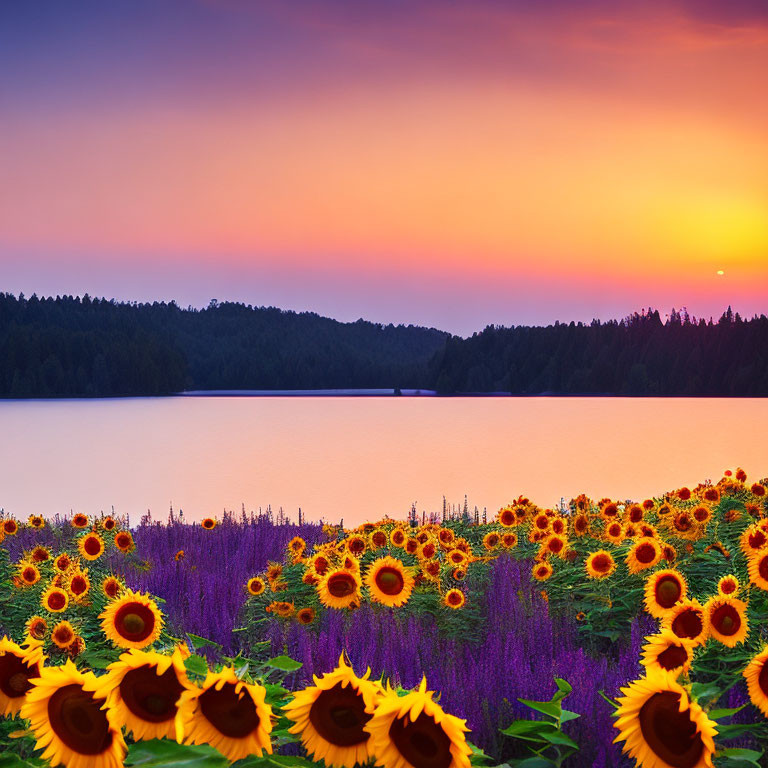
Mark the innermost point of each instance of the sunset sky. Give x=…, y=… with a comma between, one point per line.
x=443, y=163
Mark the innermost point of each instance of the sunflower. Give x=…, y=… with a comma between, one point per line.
x=17, y=667
x=634, y=513
x=728, y=586
x=645, y=553
x=752, y=540
x=76, y=647
x=356, y=545
x=63, y=634
x=427, y=550
x=702, y=514
x=80, y=520
x=281, y=608
x=227, y=713
x=340, y=588
x=124, y=541
x=661, y=726
x=108, y=523
x=296, y=546
x=541, y=522
x=256, y=585
x=756, y=675
x=683, y=525
x=62, y=562
x=663, y=590
x=36, y=627
x=54, y=599
x=132, y=620
x=542, y=571
x=727, y=620
x=389, y=582
x=78, y=584
x=555, y=544
x=398, y=537
x=581, y=524
x=143, y=689
x=683, y=494
x=40, y=554
x=508, y=540
x=559, y=525
x=431, y=569
x=305, y=615
x=457, y=557
x=413, y=730
x=614, y=532
x=274, y=571
x=600, y=564
x=29, y=574
x=459, y=574
x=378, y=538
x=758, y=489
x=668, y=652
x=648, y=504
x=331, y=715
x=180, y=555
x=208, y=523
x=71, y=722
x=111, y=586
x=36, y=521
x=688, y=620
x=491, y=540
x=609, y=511
x=91, y=546
x=319, y=564
x=711, y=494
x=454, y=599
x=506, y=517
x=445, y=536
x=758, y=569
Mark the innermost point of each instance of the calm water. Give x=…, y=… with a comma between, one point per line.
x=362, y=457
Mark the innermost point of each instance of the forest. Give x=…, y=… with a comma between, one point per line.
x=89, y=347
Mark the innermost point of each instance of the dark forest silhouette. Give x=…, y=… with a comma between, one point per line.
x=73, y=347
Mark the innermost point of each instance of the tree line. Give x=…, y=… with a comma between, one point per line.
x=639, y=355
x=88, y=347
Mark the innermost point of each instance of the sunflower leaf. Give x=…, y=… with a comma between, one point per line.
x=201, y=642
x=549, y=708
x=162, y=753
x=748, y=756
x=717, y=714
x=284, y=663
x=196, y=665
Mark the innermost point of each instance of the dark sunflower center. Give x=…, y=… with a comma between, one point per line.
x=580, y=524
x=673, y=657
x=390, y=581
x=228, y=712
x=134, y=622
x=422, y=742
x=78, y=585
x=29, y=574
x=635, y=514
x=64, y=635
x=555, y=545
x=601, y=563
x=682, y=523
x=542, y=523
x=726, y=620
x=454, y=598
x=77, y=719
x=56, y=601
x=645, y=553
x=339, y=715
x=728, y=587
x=63, y=563
x=687, y=624
x=670, y=733
x=763, y=567
x=507, y=517
x=379, y=539
x=15, y=675
x=111, y=588
x=341, y=585
x=614, y=530
x=37, y=630
x=150, y=696
x=762, y=678
x=92, y=545
x=668, y=591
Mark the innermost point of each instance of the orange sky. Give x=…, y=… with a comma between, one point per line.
x=619, y=144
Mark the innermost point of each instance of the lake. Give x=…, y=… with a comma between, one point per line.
x=362, y=457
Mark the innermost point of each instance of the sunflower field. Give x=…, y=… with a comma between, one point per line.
x=262, y=644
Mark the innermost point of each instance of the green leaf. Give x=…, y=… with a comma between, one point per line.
x=529, y=730
x=9, y=760
x=567, y=715
x=97, y=661
x=705, y=691
x=201, y=642
x=533, y=762
x=563, y=689
x=718, y=714
x=285, y=663
x=748, y=756
x=169, y=754
x=196, y=665
x=560, y=739
x=274, y=761
x=551, y=709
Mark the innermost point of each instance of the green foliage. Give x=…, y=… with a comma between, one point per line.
x=545, y=739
